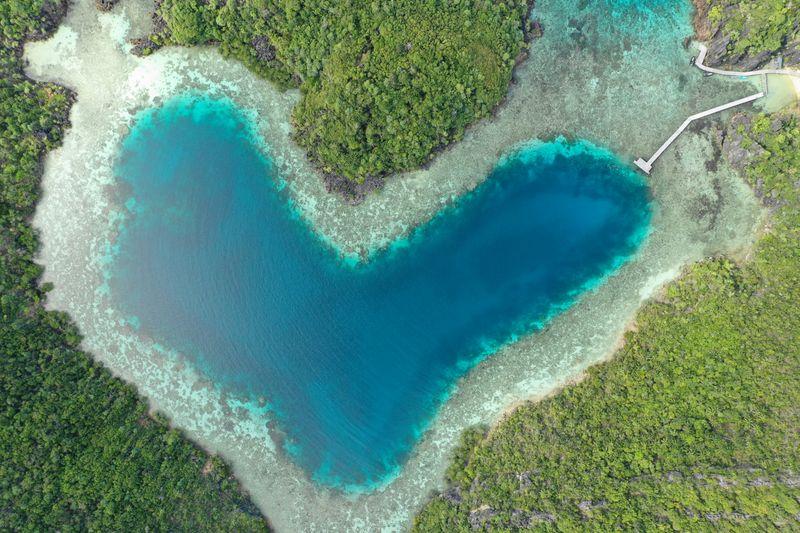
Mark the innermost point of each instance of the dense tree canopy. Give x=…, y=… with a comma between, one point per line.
x=751, y=30
x=78, y=448
x=385, y=83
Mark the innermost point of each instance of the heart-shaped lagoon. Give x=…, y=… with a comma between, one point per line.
x=352, y=359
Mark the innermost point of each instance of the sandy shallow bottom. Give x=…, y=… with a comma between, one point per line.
x=628, y=99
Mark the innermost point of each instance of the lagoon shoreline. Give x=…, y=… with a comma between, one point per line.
x=78, y=217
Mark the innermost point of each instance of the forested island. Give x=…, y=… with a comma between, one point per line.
x=380, y=96
x=691, y=425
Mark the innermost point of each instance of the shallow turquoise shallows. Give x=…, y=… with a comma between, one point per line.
x=353, y=359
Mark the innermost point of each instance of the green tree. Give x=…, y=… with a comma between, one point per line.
x=78, y=448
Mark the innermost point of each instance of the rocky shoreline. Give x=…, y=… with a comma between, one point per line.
x=713, y=17
x=51, y=16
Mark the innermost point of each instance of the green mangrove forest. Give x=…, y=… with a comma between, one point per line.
x=78, y=448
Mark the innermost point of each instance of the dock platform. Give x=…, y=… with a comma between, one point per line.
x=647, y=166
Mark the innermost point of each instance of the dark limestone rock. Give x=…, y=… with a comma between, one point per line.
x=525, y=480
x=264, y=49
x=791, y=55
x=533, y=30
x=105, y=5
x=791, y=481
x=736, y=151
x=351, y=191
x=740, y=147
x=479, y=518
x=720, y=44
x=52, y=13
x=674, y=476
x=453, y=495
x=586, y=507
x=521, y=518
x=143, y=46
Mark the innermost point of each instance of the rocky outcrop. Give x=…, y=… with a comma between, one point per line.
x=719, y=55
x=265, y=51
x=741, y=144
x=736, y=145
x=50, y=15
x=144, y=46
x=486, y=518
x=105, y=5
x=721, y=42
x=479, y=518
x=351, y=191
x=531, y=28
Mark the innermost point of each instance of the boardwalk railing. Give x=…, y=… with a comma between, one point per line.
x=646, y=166
x=702, y=56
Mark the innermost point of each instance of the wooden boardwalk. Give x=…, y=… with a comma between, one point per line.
x=647, y=165
x=763, y=72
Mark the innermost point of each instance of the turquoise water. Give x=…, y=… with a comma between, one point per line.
x=352, y=359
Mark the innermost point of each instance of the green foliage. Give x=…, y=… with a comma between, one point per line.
x=385, y=83
x=755, y=26
x=458, y=473
x=78, y=450
x=691, y=426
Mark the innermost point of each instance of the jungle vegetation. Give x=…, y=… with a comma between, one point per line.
x=749, y=28
x=384, y=84
x=694, y=423
x=78, y=448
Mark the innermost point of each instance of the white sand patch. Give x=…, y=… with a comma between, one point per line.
x=59, y=50
x=117, y=26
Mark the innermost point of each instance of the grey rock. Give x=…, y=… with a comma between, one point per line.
x=791, y=481
x=733, y=145
x=524, y=480
x=453, y=495
x=479, y=518
x=105, y=5
x=720, y=54
x=264, y=49
x=674, y=476
x=587, y=506
x=525, y=519
x=724, y=483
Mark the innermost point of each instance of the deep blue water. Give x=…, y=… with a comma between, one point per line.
x=354, y=360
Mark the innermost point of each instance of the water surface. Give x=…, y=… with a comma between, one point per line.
x=352, y=359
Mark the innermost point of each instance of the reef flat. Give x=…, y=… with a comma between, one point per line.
x=614, y=73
